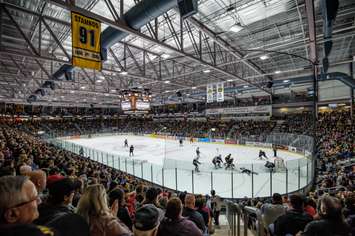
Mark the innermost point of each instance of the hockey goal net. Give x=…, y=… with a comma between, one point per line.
x=279, y=164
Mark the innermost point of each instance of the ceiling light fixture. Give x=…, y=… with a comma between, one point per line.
x=193, y=87
x=207, y=71
x=245, y=86
x=277, y=72
x=230, y=80
x=99, y=81
x=286, y=81
x=165, y=56
x=124, y=73
x=167, y=81
x=264, y=57
x=82, y=87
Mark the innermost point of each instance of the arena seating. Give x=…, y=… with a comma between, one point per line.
x=70, y=177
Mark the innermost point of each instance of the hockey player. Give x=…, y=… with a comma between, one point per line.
x=195, y=162
x=180, y=142
x=217, y=160
x=247, y=171
x=131, y=149
x=227, y=158
x=191, y=139
x=229, y=162
x=125, y=143
x=198, y=152
x=262, y=155
x=81, y=151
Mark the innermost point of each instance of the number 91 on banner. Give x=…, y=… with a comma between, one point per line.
x=86, y=41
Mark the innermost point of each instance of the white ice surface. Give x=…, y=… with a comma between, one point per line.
x=151, y=153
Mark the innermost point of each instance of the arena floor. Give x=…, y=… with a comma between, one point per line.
x=168, y=153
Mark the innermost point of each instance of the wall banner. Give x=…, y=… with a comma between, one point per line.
x=209, y=92
x=220, y=92
x=86, y=41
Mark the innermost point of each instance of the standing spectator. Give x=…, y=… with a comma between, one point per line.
x=93, y=208
x=331, y=220
x=216, y=205
x=295, y=218
x=191, y=214
x=18, y=200
x=176, y=225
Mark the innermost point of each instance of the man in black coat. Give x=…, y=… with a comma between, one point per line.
x=295, y=218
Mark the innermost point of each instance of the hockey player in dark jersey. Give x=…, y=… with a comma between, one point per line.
x=131, y=149
x=125, y=143
x=217, y=160
x=195, y=162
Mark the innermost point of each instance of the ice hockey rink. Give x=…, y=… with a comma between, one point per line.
x=152, y=154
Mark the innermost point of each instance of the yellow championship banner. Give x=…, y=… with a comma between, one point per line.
x=86, y=41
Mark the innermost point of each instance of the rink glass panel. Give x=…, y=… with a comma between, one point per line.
x=179, y=174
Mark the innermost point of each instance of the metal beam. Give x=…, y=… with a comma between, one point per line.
x=224, y=44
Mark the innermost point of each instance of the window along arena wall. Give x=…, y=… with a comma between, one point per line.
x=160, y=159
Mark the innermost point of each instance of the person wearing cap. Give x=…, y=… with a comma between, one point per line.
x=59, y=201
x=174, y=224
x=146, y=221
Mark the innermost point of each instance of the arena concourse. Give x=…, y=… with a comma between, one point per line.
x=177, y=118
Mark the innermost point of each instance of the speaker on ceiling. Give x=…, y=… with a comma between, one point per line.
x=187, y=8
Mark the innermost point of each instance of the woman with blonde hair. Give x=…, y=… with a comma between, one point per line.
x=102, y=220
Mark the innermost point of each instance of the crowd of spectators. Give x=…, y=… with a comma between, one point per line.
x=336, y=145
x=43, y=185
x=46, y=186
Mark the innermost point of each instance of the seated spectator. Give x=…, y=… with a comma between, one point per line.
x=116, y=196
x=151, y=197
x=39, y=179
x=270, y=212
x=191, y=214
x=54, y=175
x=205, y=212
x=25, y=169
x=146, y=221
x=174, y=224
x=331, y=220
x=308, y=208
x=18, y=200
x=59, y=201
x=294, y=220
x=93, y=208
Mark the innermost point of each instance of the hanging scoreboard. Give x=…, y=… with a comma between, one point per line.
x=86, y=41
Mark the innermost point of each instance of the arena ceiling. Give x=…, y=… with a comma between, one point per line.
x=224, y=42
